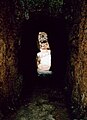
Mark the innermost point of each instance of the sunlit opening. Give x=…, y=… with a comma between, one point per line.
x=44, y=56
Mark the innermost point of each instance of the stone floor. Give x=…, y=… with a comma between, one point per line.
x=45, y=104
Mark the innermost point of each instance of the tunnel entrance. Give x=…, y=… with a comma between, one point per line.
x=44, y=56
x=37, y=32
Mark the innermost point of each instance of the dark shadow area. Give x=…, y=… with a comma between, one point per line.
x=55, y=28
x=53, y=84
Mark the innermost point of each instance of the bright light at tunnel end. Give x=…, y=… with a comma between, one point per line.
x=44, y=56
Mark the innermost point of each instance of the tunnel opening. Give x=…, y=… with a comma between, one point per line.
x=44, y=56
x=54, y=30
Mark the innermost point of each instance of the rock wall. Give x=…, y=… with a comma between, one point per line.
x=77, y=65
x=8, y=50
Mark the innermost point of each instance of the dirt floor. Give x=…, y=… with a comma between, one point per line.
x=45, y=104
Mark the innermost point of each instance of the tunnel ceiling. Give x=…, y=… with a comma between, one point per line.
x=20, y=10
x=23, y=9
x=50, y=6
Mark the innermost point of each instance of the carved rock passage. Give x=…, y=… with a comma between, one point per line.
x=12, y=14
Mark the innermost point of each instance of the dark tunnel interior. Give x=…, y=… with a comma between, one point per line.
x=51, y=85
x=43, y=60
x=57, y=38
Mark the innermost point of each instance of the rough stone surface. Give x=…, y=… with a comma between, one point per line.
x=78, y=61
x=45, y=104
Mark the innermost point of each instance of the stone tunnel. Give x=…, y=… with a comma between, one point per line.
x=25, y=95
x=56, y=32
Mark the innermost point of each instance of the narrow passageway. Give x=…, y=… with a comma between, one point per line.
x=42, y=95
x=45, y=103
x=43, y=60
